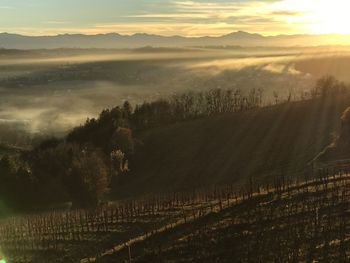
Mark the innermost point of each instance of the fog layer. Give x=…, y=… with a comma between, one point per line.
x=52, y=92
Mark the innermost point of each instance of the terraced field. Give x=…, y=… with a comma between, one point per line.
x=281, y=222
x=306, y=222
x=87, y=236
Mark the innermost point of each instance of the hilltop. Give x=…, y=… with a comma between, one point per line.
x=260, y=143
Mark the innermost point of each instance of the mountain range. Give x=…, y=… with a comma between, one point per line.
x=115, y=40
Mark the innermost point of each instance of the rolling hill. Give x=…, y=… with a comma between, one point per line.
x=292, y=221
x=261, y=143
x=305, y=222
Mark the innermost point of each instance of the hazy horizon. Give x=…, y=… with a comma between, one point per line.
x=174, y=17
x=175, y=35
x=51, y=93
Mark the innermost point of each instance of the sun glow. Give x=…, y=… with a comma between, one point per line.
x=321, y=16
x=331, y=17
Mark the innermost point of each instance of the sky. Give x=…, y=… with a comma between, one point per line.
x=174, y=17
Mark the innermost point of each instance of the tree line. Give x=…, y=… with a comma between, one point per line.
x=84, y=166
x=191, y=105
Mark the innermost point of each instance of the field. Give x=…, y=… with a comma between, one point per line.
x=71, y=236
x=295, y=223
x=286, y=221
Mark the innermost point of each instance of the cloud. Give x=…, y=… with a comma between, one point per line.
x=286, y=13
x=55, y=22
x=166, y=17
x=220, y=17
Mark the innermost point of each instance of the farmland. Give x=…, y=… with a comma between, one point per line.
x=285, y=221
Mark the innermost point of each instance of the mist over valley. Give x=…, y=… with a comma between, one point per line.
x=51, y=91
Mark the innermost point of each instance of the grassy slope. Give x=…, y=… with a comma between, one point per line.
x=259, y=143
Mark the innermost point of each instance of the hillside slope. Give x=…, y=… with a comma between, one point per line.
x=260, y=143
x=305, y=222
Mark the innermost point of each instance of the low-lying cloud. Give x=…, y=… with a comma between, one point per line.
x=51, y=98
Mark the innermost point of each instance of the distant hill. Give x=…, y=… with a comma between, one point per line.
x=261, y=143
x=114, y=40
